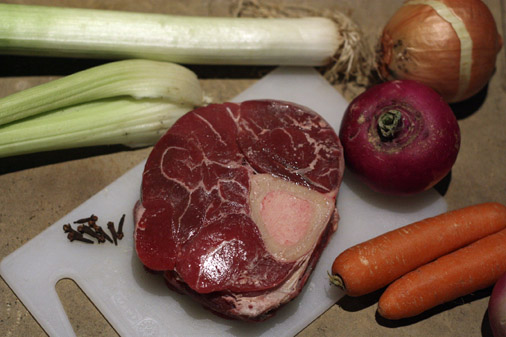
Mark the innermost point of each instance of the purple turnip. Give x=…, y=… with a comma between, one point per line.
x=400, y=137
x=497, y=308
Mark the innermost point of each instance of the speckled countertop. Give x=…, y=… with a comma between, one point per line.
x=37, y=190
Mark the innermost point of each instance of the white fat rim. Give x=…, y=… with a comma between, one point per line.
x=466, y=43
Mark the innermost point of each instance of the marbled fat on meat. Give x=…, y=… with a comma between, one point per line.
x=206, y=217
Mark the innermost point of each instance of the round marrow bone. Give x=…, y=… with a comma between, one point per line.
x=289, y=217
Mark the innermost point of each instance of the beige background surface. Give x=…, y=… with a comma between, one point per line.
x=37, y=190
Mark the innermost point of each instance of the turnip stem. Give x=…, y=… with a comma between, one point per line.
x=135, y=78
x=389, y=124
x=39, y=30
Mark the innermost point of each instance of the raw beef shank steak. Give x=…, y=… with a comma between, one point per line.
x=237, y=203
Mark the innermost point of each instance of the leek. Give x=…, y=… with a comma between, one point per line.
x=59, y=31
x=130, y=102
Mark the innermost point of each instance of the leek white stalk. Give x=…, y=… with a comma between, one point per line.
x=111, y=121
x=135, y=78
x=39, y=30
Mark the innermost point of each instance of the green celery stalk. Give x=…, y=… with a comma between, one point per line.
x=131, y=102
x=135, y=78
x=127, y=121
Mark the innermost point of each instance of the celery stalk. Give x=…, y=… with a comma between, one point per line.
x=135, y=78
x=39, y=30
x=131, y=102
x=125, y=121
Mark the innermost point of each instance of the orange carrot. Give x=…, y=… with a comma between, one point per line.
x=474, y=267
x=373, y=264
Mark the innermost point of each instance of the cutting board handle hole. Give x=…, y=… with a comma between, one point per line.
x=86, y=315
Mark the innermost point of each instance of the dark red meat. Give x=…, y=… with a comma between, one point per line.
x=209, y=186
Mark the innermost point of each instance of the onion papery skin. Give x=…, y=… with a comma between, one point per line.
x=418, y=44
x=497, y=308
x=420, y=154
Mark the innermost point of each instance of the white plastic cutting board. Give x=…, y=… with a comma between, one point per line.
x=137, y=303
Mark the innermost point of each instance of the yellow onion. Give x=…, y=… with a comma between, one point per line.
x=449, y=45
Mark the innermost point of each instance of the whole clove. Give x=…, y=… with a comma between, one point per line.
x=85, y=229
x=89, y=226
x=99, y=230
x=74, y=235
x=120, y=227
x=67, y=228
x=91, y=218
x=110, y=225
